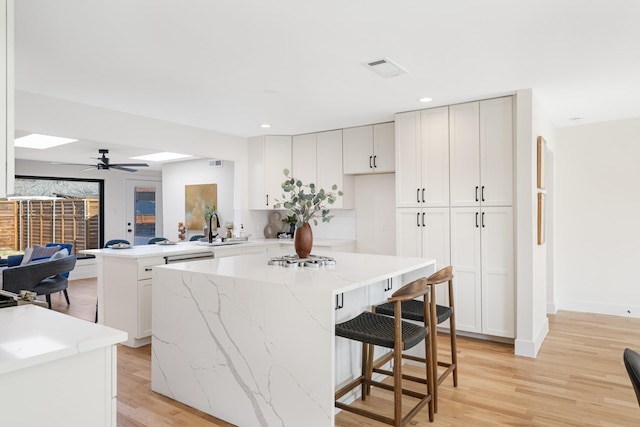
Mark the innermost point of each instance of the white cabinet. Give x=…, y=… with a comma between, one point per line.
x=56, y=370
x=456, y=162
x=126, y=296
x=369, y=149
x=482, y=250
x=267, y=158
x=423, y=233
x=422, y=158
x=481, y=150
x=317, y=158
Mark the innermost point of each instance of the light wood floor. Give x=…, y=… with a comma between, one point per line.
x=578, y=379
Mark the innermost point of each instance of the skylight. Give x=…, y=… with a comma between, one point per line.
x=41, y=142
x=161, y=157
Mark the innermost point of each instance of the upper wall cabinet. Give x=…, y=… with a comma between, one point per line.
x=317, y=158
x=369, y=149
x=268, y=157
x=422, y=158
x=481, y=153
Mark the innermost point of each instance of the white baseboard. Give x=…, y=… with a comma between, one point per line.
x=85, y=269
x=530, y=348
x=600, y=308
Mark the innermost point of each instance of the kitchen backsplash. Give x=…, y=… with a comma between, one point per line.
x=341, y=226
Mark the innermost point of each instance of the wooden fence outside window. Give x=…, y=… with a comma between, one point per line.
x=28, y=222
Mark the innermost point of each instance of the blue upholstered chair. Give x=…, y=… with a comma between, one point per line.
x=196, y=237
x=42, y=277
x=154, y=240
x=67, y=246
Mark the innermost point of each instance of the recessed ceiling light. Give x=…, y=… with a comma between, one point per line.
x=161, y=157
x=41, y=142
x=575, y=119
x=265, y=125
x=425, y=99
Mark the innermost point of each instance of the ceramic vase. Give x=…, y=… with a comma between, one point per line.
x=303, y=240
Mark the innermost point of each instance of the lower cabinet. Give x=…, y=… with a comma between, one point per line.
x=144, y=308
x=482, y=249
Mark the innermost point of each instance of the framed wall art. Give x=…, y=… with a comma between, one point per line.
x=542, y=146
x=197, y=198
x=542, y=220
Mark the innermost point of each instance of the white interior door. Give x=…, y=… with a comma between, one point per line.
x=144, y=210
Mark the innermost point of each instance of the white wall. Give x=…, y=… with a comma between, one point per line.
x=375, y=213
x=174, y=178
x=53, y=116
x=531, y=259
x=114, y=188
x=598, y=218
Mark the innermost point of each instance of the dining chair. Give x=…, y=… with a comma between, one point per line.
x=372, y=330
x=115, y=242
x=632, y=363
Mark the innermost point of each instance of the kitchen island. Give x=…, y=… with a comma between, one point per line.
x=56, y=370
x=254, y=344
x=124, y=276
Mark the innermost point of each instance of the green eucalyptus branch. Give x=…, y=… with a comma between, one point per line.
x=304, y=201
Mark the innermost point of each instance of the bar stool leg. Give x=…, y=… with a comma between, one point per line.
x=433, y=331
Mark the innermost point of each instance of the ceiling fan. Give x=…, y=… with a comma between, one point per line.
x=104, y=164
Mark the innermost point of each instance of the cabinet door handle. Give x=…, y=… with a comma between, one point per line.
x=418, y=195
x=339, y=301
x=267, y=200
x=476, y=193
x=148, y=269
x=482, y=195
x=482, y=219
x=374, y=162
x=423, y=224
x=418, y=219
x=423, y=195
x=476, y=219
x=370, y=162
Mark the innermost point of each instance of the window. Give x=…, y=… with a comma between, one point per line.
x=60, y=210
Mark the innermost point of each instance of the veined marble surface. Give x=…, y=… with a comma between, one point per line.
x=32, y=335
x=254, y=344
x=145, y=251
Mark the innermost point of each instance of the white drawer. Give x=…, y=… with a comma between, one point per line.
x=145, y=267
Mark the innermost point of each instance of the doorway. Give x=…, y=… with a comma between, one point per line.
x=144, y=210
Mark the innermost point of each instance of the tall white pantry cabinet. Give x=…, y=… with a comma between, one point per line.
x=454, y=200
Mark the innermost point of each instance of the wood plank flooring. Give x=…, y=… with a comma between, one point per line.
x=578, y=379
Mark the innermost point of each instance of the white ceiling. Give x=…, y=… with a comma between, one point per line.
x=231, y=65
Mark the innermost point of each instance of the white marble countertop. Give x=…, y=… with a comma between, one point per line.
x=352, y=270
x=32, y=335
x=144, y=251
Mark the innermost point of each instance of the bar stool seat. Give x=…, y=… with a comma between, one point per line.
x=373, y=329
x=413, y=310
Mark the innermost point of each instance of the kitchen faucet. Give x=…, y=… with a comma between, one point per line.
x=211, y=236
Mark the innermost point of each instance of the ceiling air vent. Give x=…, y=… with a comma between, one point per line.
x=215, y=163
x=386, y=68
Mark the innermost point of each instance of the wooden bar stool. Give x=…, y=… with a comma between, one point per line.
x=391, y=332
x=414, y=310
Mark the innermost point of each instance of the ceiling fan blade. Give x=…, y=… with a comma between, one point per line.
x=73, y=164
x=139, y=165
x=119, y=167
